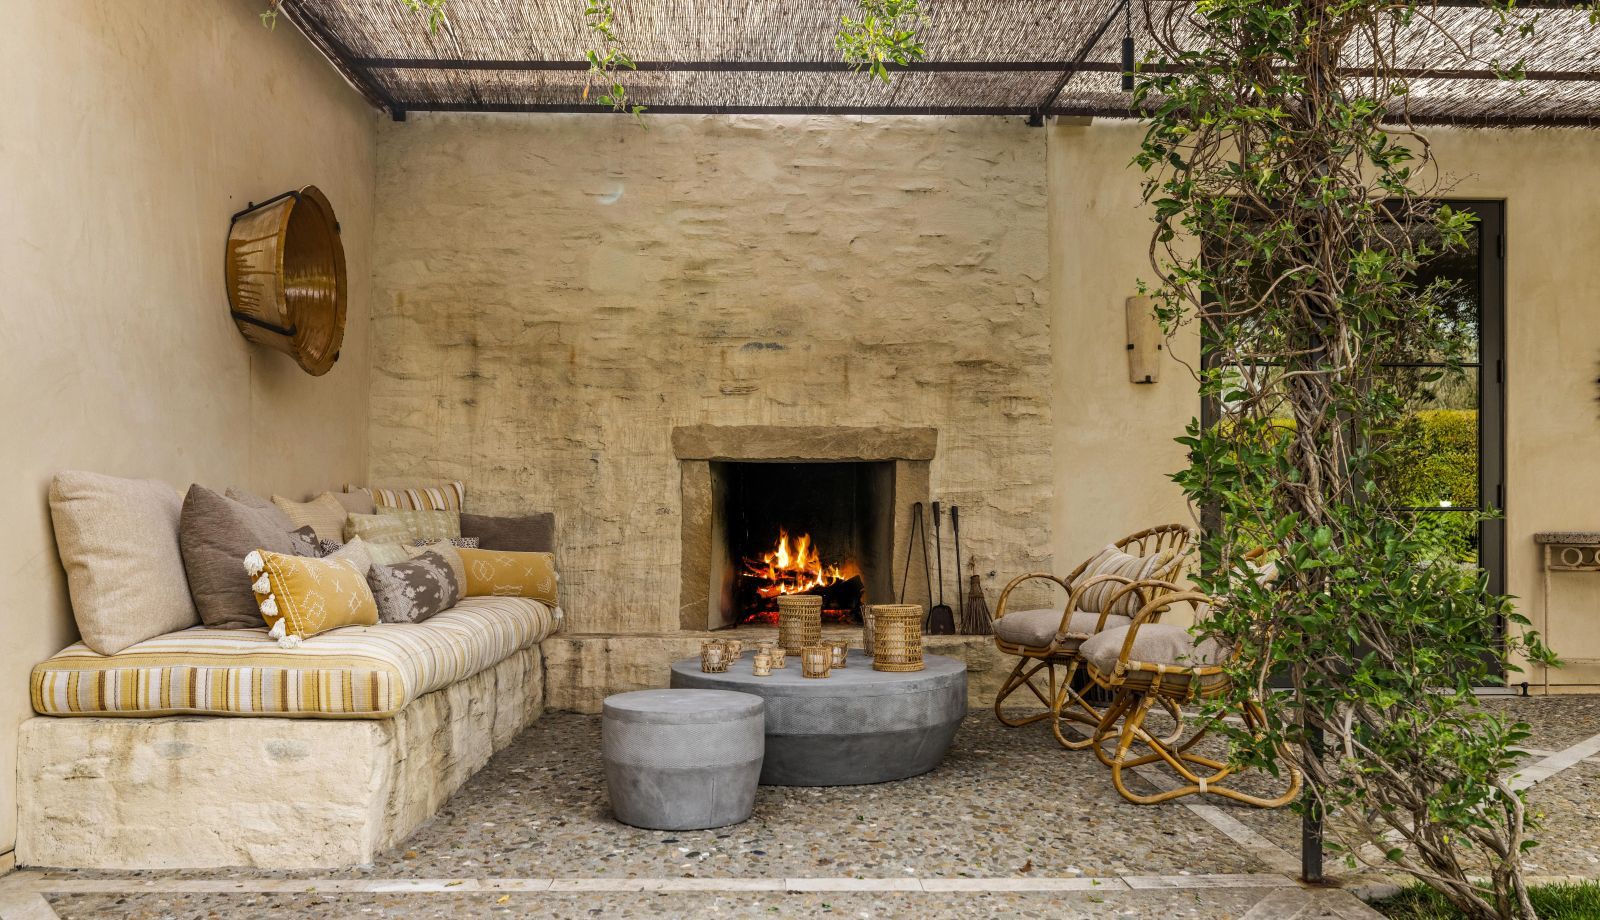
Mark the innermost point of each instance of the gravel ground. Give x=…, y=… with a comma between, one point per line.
x=1154, y=905
x=1006, y=803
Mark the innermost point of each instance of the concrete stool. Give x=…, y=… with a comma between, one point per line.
x=682, y=759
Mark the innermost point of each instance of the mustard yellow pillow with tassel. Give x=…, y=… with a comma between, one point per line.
x=301, y=596
x=494, y=573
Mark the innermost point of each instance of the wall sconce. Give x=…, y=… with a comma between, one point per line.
x=1145, y=342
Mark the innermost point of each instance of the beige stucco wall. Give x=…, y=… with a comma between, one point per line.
x=553, y=295
x=1114, y=439
x=1114, y=442
x=130, y=133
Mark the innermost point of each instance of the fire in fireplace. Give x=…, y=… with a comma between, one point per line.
x=780, y=528
x=797, y=567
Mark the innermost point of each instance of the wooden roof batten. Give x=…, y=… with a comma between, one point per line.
x=1028, y=58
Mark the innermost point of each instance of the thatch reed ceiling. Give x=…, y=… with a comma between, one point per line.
x=985, y=57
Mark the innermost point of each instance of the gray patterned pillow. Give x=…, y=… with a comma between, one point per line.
x=307, y=543
x=458, y=542
x=412, y=591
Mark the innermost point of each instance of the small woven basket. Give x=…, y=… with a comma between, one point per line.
x=799, y=621
x=896, y=637
x=714, y=657
x=816, y=660
x=841, y=651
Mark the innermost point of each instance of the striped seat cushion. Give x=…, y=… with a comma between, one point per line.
x=362, y=672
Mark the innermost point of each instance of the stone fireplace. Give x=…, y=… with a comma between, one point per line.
x=771, y=509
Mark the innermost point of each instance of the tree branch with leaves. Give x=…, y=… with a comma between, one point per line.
x=1295, y=205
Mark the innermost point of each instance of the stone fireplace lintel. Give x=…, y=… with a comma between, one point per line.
x=803, y=442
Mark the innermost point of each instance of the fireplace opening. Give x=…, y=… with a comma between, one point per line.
x=800, y=528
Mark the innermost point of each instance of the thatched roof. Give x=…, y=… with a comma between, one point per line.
x=985, y=57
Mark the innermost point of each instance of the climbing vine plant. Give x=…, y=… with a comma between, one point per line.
x=1294, y=206
x=884, y=32
x=609, y=60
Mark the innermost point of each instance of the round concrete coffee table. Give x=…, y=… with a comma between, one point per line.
x=858, y=726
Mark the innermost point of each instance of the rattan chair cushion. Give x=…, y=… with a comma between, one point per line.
x=1038, y=627
x=1156, y=643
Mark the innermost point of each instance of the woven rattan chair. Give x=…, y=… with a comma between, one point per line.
x=1148, y=662
x=1047, y=640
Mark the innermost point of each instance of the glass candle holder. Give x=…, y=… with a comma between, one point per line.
x=841, y=651
x=735, y=648
x=713, y=656
x=779, y=656
x=761, y=665
x=816, y=660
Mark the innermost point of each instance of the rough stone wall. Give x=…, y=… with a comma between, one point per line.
x=553, y=295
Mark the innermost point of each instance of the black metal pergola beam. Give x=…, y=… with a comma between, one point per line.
x=1078, y=64
x=1409, y=73
x=1069, y=111
x=713, y=66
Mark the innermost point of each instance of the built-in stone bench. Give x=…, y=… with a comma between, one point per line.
x=272, y=793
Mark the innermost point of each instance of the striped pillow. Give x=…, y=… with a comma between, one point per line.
x=1112, y=561
x=445, y=497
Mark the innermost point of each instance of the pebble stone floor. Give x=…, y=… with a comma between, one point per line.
x=1008, y=825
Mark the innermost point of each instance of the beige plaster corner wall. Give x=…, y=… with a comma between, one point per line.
x=129, y=136
x=1114, y=439
x=554, y=295
x=1114, y=444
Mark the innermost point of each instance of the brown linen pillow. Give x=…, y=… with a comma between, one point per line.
x=413, y=591
x=118, y=541
x=253, y=500
x=355, y=502
x=215, y=533
x=533, y=533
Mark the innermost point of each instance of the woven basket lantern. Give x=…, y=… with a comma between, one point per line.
x=286, y=280
x=799, y=621
x=714, y=658
x=816, y=661
x=896, y=637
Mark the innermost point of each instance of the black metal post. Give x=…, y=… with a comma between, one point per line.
x=1311, y=823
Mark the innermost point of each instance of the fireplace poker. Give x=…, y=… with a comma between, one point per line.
x=941, y=619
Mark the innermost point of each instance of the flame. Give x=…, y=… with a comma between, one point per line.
x=794, y=567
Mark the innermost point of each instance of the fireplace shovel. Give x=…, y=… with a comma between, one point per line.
x=941, y=619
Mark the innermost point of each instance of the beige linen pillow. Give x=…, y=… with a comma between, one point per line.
x=118, y=541
x=323, y=514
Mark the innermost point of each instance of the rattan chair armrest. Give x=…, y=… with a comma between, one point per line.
x=1151, y=612
x=1077, y=594
x=1005, y=593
